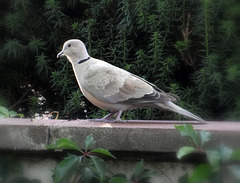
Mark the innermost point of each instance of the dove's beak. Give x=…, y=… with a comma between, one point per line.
x=60, y=54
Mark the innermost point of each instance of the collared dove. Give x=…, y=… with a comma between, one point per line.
x=114, y=89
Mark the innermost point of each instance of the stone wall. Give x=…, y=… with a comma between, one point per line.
x=154, y=141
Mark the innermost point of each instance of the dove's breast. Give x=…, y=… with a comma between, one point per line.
x=105, y=105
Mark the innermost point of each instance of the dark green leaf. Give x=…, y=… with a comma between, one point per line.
x=184, y=151
x=204, y=137
x=187, y=130
x=147, y=174
x=66, y=169
x=89, y=142
x=87, y=176
x=139, y=169
x=119, y=180
x=64, y=144
x=102, y=151
x=22, y=179
x=9, y=166
x=236, y=155
x=200, y=174
x=100, y=167
x=184, y=178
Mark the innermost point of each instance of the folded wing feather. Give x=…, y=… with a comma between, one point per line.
x=114, y=85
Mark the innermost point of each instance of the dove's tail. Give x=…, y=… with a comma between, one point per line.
x=172, y=107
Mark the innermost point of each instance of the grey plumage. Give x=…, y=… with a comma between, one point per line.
x=114, y=89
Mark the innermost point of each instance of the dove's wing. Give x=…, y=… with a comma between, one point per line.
x=114, y=85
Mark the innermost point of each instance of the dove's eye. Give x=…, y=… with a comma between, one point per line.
x=69, y=45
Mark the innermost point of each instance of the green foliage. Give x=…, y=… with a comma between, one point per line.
x=11, y=171
x=5, y=113
x=191, y=44
x=218, y=161
x=90, y=167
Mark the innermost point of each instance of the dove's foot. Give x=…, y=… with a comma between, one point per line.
x=110, y=118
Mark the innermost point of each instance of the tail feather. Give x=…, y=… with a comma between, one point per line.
x=173, y=107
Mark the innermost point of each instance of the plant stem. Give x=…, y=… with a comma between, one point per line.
x=206, y=25
x=168, y=27
x=124, y=47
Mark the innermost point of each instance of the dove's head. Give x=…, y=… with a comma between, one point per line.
x=74, y=50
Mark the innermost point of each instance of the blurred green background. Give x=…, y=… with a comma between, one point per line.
x=190, y=48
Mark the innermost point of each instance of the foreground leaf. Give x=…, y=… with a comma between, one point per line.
x=66, y=169
x=204, y=137
x=87, y=176
x=99, y=167
x=89, y=142
x=64, y=144
x=184, y=151
x=236, y=155
x=139, y=169
x=119, y=180
x=184, y=178
x=213, y=158
x=187, y=130
x=201, y=174
x=235, y=171
x=147, y=174
x=102, y=151
x=225, y=153
x=24, y=180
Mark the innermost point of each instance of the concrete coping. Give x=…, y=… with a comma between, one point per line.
x=134, y=136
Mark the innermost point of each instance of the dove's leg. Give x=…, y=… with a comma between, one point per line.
x=109, y=116
x=118, y=116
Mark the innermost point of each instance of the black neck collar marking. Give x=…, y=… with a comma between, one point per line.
x=83, y=60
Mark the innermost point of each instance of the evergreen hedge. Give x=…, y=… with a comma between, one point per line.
x=187, y=47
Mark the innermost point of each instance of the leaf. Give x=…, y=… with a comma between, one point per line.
x=187, y=130
x=4, y=111
x=100, y=167
x=8, y=166
x=213, y=158
x=89, y=142
x=2, y=115
x=22, y=179
x=102, y=151
x=139, y=170
x=147, y=174
x=64, y=144
x=204, y=137
x=201, y=174
x=65, y=169
x=236, y=155
x=184, y=151
x=184, y=178
x=119, y=180
x=235, y=171
x=225, y=153
x=12, y=114
x=87, y=176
